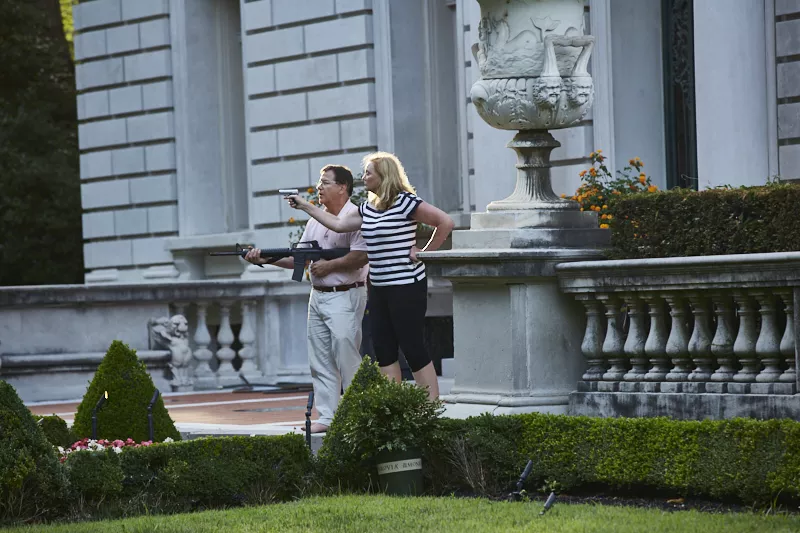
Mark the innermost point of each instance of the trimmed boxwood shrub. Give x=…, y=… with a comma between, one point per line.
x=746, y=460
x=32, y=484
x=201, y=473
x=56, y=431
x=717, y=221
x=130, y=390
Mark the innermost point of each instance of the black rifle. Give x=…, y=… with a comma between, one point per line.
x=302, y=252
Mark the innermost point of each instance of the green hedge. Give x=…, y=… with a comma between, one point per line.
x=201, y=473
x=717, y=221
x=32, y=484
x=746, y=460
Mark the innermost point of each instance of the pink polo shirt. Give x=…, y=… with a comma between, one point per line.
x=330, y=239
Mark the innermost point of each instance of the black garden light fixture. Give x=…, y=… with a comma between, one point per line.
x=308, y=418
x=97, y=407
x=156, y=394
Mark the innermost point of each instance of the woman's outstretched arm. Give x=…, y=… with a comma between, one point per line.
x=344, y=224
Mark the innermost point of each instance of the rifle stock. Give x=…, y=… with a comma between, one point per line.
x=301, y=252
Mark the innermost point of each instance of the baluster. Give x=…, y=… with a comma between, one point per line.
x=722, y=343
x=788, y=341
x=768, y=345
x=656, y=344
x=613, y=343
x=700, y=341
x=202, y=371
x=678, y=341
x=637, y=336
x=226, y=375
x=592, y=345
x=247, y=337
x=745, y=345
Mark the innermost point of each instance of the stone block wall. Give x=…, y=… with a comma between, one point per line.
x=126, y=134
x=310, y=90
x=787, y=52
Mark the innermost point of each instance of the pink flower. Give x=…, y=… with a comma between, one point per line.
x=119, y=443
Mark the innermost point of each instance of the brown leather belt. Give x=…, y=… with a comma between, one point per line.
x=339, y=288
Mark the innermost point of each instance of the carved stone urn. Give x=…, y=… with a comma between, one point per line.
x=533, y=58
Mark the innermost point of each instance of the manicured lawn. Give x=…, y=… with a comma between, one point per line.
x=442, y=515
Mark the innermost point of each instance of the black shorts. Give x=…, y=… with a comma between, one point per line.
x=397, y=319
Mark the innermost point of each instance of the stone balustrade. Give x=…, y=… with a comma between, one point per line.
x=53, y=337
x=663, y=336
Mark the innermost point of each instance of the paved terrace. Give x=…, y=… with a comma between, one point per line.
x=264, y=411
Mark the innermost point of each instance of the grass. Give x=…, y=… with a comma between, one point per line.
x=443, y=515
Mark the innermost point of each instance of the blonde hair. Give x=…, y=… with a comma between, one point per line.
x=393, y=179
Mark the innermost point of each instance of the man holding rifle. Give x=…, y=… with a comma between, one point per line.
x=338, y=298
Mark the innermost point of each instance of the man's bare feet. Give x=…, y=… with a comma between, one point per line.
x=316, y=427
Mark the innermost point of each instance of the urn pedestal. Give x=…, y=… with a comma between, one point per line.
x=517, y=338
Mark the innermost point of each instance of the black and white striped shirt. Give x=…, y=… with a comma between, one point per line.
x=390, y=235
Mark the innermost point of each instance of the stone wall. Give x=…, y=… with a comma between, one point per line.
x=310, y=95
x=126, y=133
x=787, y=51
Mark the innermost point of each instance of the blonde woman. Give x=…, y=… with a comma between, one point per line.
x=398, y=293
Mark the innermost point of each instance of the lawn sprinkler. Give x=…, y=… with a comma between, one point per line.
x=156, y=393
x=308, y=418
x=520, y=493
x=97, y=407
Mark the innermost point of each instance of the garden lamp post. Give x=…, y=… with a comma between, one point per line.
x=97, y=407
x=156, y=394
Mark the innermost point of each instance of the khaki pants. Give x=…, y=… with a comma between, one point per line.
x=334, y=339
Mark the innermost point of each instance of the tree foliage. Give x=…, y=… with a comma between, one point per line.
x=40, y=206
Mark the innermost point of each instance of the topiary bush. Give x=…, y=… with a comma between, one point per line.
x=56, y=431
x=375, y=415
x=335, y=464
x=682, y=222
x=130, y=390
x=32, y=484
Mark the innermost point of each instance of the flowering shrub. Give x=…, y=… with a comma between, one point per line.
x=600, y=189
x=103, y=444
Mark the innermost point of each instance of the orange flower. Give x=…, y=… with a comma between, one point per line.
x=599, y=151
x=609, y=217
x=581, y=209
x=592, y=171
x=312, y=202
x=563, y=196
x=605, y=207
x=311, y=190
x=631, y=162
x=582, y=173
x=616, y=192
x=652, y=188
x=291, y=220
x=604, y=226
x=642, y=179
